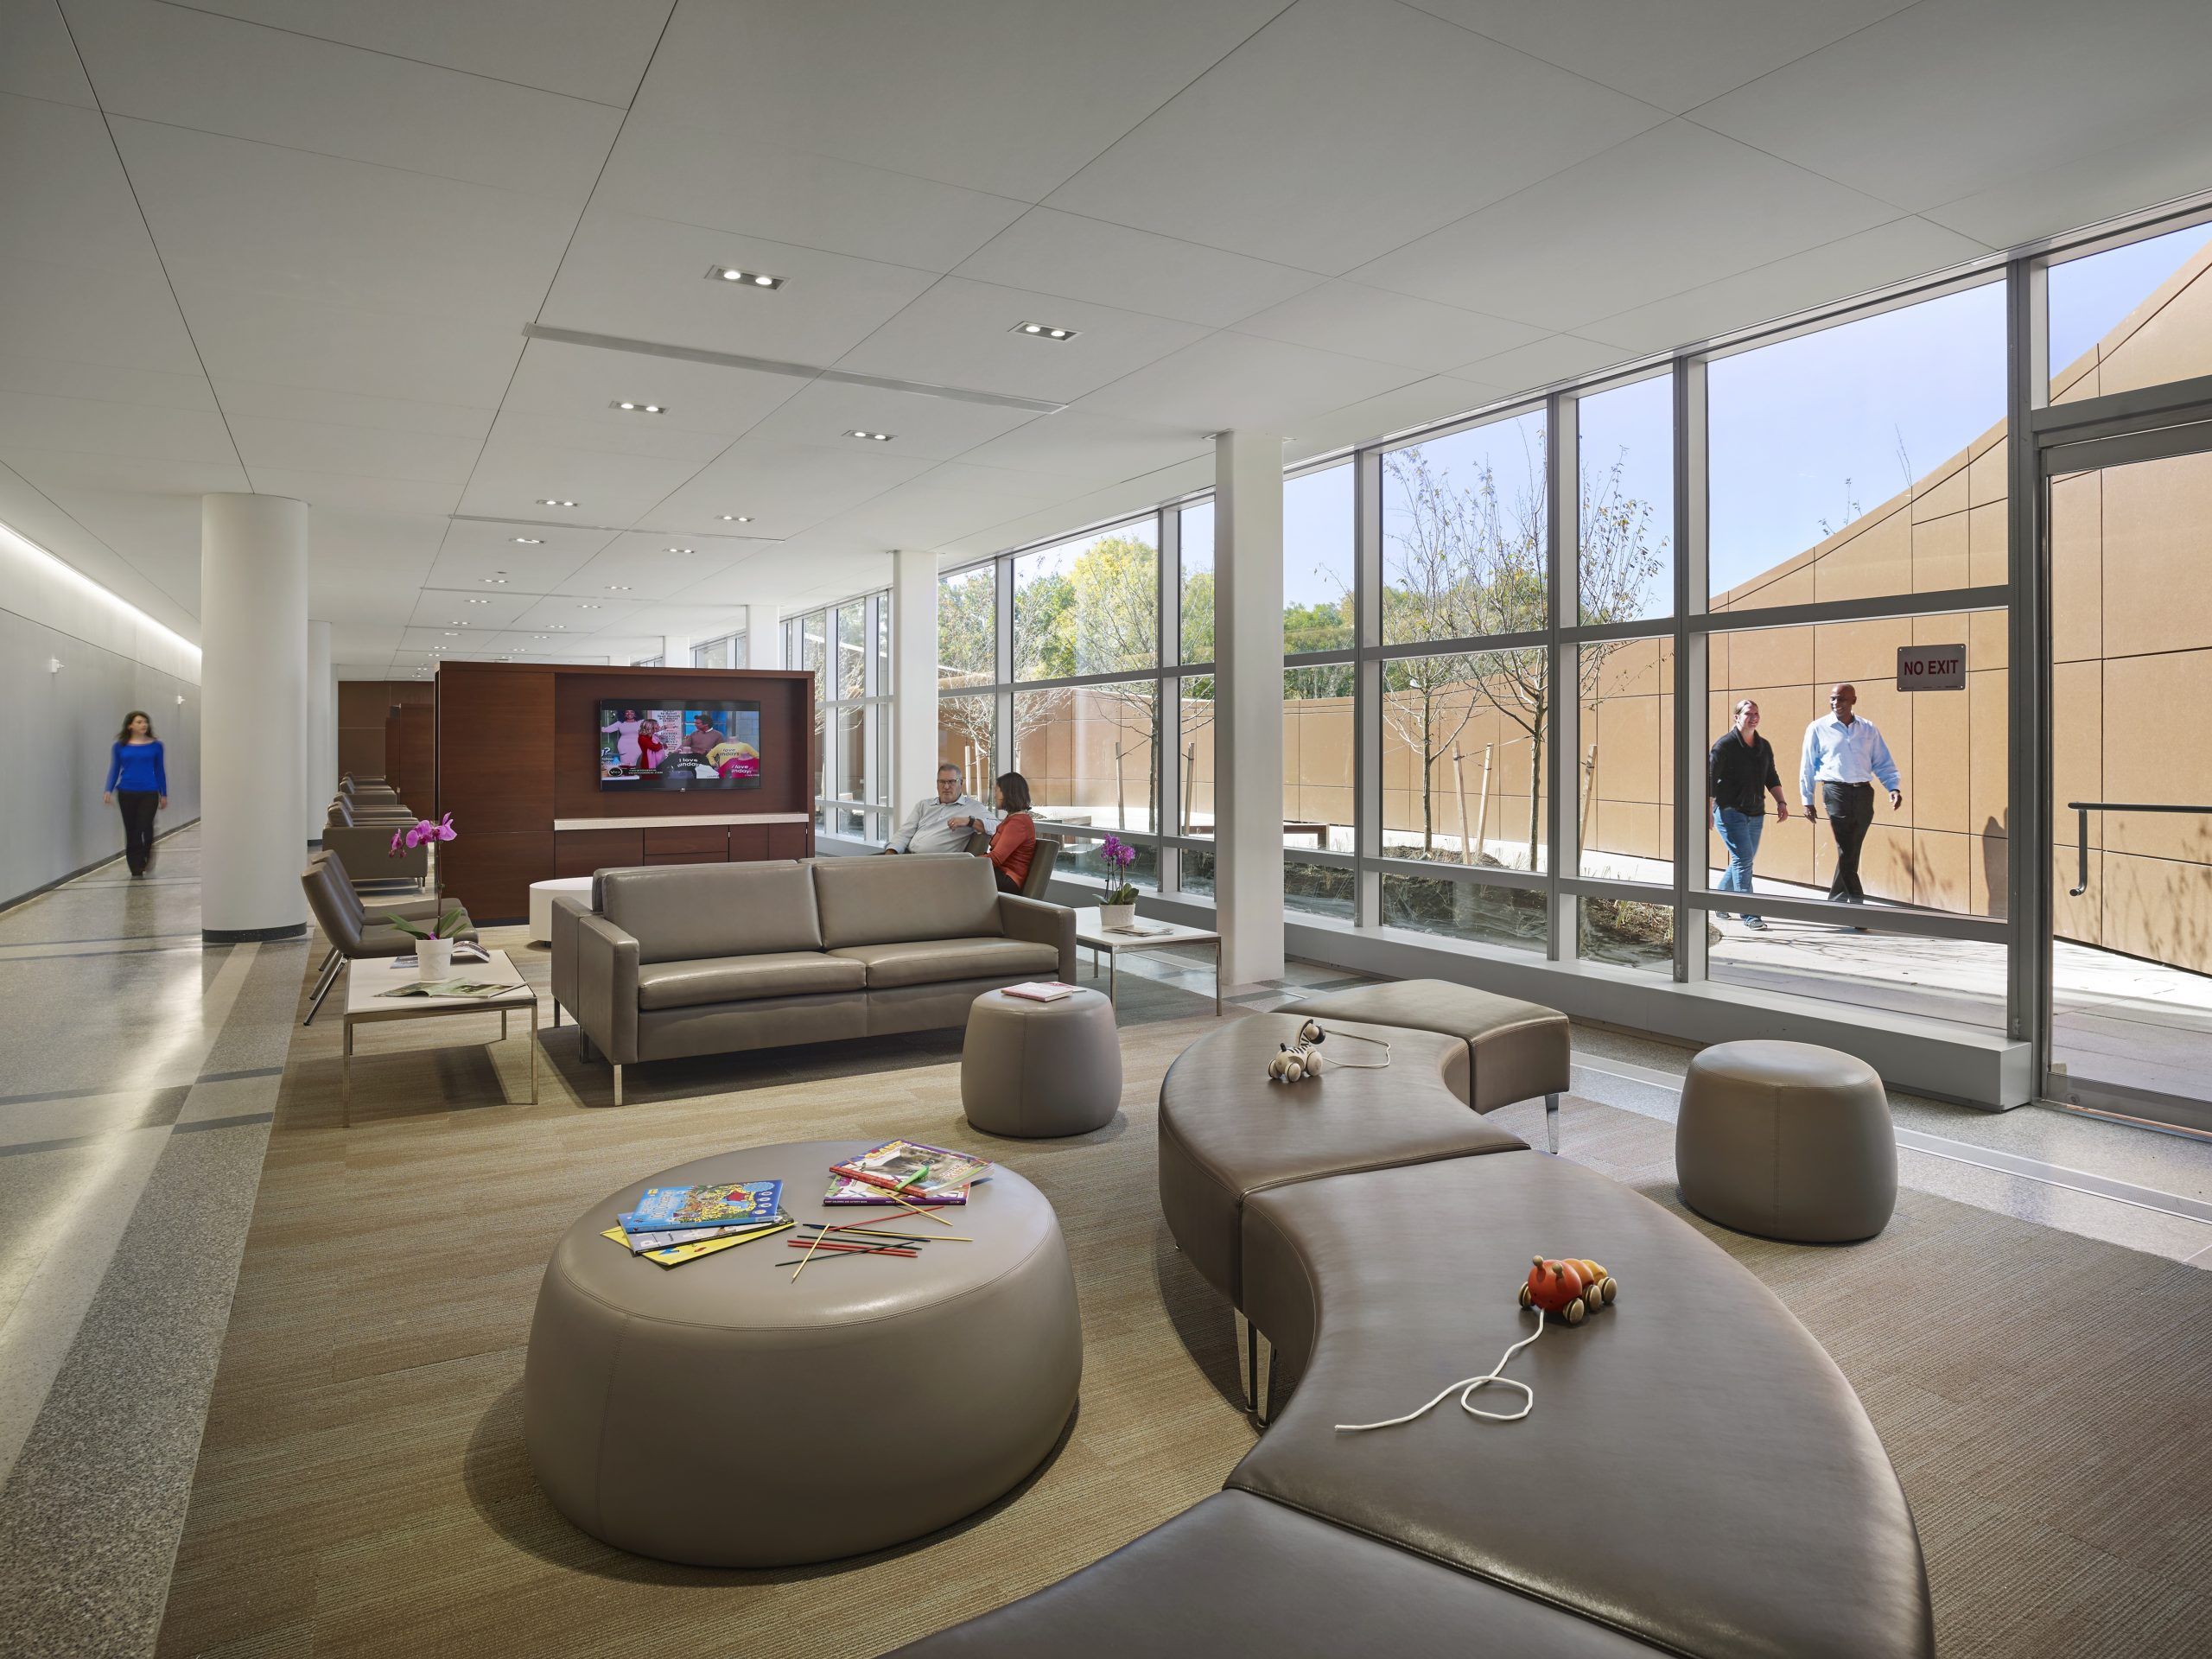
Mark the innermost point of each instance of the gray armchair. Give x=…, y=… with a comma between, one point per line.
x=362, y=845
x=357, y=930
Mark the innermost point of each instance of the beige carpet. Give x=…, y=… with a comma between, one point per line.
x=363, y=1488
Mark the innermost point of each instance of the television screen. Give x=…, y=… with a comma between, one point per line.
x=694, y=744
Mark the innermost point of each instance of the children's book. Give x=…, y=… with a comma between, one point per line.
x=682, y=1209
x=909, y=1166
x=843, y=1189
x=674, y=1255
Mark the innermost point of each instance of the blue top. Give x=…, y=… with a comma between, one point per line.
x=1839, y=753
x=137, y=766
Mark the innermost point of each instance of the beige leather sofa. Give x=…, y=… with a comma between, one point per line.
x=1695, y=1478
x=684, y=959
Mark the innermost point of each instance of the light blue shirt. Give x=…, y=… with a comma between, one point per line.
x=1837, y=754
x=929, y=827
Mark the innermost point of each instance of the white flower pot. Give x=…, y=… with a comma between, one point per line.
x=434, y=959
x=1116, y=915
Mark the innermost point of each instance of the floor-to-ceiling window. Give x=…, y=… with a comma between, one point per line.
x=847, y=649
x=1569, y=599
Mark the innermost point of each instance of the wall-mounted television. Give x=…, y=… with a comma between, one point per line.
x=692, y=745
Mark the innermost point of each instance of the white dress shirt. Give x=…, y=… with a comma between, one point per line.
x=1839, y=753
x=929, y=827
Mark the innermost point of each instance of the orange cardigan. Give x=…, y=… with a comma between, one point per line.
x=1014, y=843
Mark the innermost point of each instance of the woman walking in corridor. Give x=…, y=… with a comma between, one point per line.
x=136, y=778
x=1739, y=774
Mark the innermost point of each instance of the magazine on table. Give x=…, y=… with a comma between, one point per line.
x=687, y=1209
x=674, y=1255
x=468, y=987
x=843, y=1189
x=1041, y=990
x=906, y=1166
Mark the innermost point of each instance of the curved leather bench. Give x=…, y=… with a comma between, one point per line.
x=1697, y=1476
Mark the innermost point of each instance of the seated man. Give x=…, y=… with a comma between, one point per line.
x=942, y=825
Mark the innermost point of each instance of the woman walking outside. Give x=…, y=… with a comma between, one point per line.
x=136, y=778
x=1738, y=776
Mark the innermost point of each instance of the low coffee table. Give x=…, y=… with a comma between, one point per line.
x=368, y=977
x=722, y=1413
x=1090, y=930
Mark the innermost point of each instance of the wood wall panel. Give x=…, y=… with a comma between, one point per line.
x=585, y=852
x=786, y=738
x=363, y=705
x=492, y=874
x=410, y=748
x=518, y=747
x=495, y=758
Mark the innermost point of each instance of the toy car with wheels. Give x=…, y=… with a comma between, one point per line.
x=1568, y=1287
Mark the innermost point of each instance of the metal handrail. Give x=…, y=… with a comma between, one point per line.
x=2082, y=811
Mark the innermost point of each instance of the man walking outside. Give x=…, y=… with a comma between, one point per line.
x=1739, y=774
x=1844, y=755
x=942, y=825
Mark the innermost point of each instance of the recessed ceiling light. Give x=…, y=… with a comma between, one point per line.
x=551, y=501
x=453, y=636
x=494, y=582
x=681, y=550
x=749, y=278
x=586, y=605
x=479, y=601
x=1044, y=331
x=872, y=437
x=540, y=636
x=618, y=586
x=737, y=518
x=629, y=408
x=527, y=540
x=556, y=626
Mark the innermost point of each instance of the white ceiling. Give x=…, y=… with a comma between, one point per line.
x=293, y=245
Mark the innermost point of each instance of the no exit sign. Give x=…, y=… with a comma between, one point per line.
x=1931, y=668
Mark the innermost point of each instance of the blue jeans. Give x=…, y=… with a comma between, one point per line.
x=1739, y=833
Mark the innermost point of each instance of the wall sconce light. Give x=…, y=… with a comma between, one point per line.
x=179, y=699
x=54, y=665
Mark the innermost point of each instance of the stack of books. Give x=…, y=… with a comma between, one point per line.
x=1040, y=990
x=672, y=1225
x=916, y=1178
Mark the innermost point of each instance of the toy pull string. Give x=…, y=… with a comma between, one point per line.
x=1467, y=1386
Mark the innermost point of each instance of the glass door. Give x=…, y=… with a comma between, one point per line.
x=2129, y=539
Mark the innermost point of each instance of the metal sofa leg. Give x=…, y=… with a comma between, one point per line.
x=618, y=1086
x=1551, y=1121
x=583, y=1045
x=556, y=1015
x=1256, y=1360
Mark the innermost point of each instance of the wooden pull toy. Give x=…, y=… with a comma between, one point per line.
x=1568, y=1287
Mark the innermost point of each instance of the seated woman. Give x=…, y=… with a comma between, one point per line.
x=1015, y=842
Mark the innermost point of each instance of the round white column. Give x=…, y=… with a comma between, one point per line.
x=322, y=780
x=253, y=698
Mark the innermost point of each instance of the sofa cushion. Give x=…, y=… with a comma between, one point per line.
x=1515, y=1050
x=890, y=900
x=704, y=981
x=926, y=961
x=680, y=913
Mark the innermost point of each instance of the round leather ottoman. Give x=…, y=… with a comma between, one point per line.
x=1038, y=1070
x=720, y=1414
x=1787, y=1140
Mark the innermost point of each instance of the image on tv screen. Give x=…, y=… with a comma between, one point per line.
x=695, y=745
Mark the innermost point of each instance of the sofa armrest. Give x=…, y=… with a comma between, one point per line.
x=1041, y=924
x=607, y=987
x=564, y=940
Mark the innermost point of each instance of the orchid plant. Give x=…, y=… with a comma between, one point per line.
x=446, y=927
x=424, y=831
x=1118, y=855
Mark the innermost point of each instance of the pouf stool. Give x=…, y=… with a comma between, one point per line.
x=1038, y=1070
x=721, y=1414
x=542, y=895
x=1787, y=1140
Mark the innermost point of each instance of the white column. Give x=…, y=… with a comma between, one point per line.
x=253, y=693
x=676, y=651
x=913, y=676
x=320, y=779
x=764, y=636
x=1247, y=709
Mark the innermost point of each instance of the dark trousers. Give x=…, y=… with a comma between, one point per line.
x=1850, y=808
x=138, y=806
